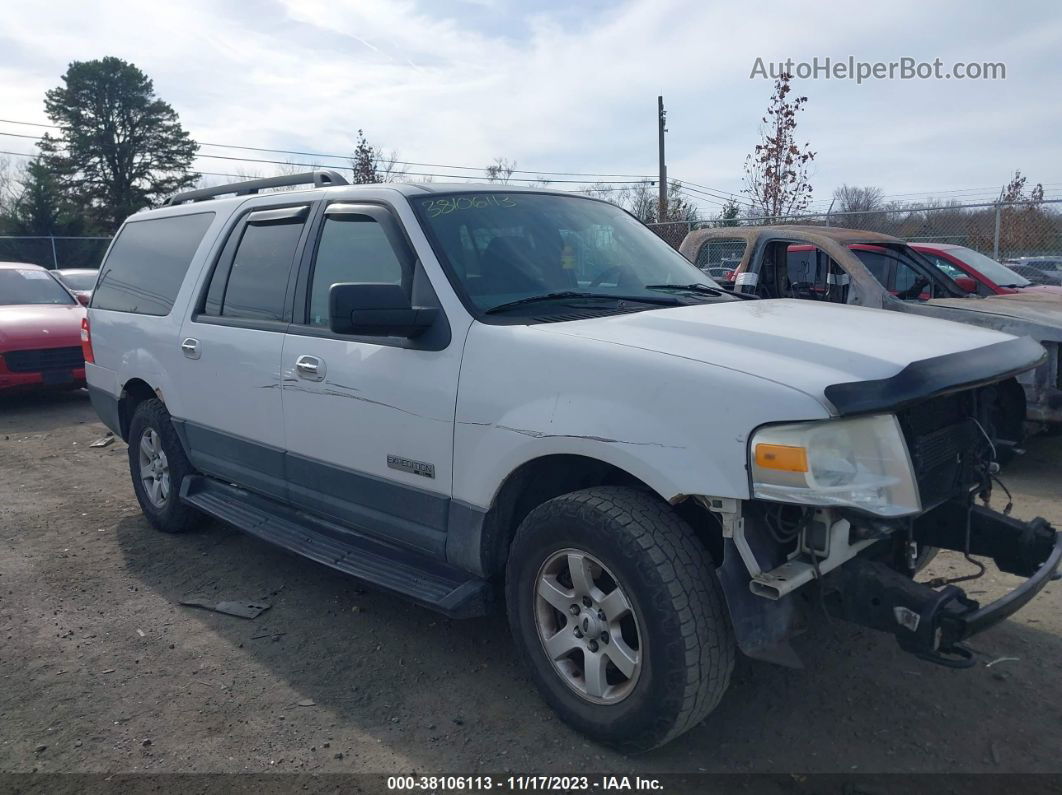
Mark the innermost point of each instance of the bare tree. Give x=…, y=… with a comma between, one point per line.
x=501, y=170
x=9, y=191
x=1015, y=191
x=729, y=215
x=641, y=200
x=679, y=208
x=389, y=167
x=776, y=172
x=858, y=206
x=1022, y=218
x=855, y=199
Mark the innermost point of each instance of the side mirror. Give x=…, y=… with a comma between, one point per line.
x=376, y=310
x=83, y=298
x=967, y=284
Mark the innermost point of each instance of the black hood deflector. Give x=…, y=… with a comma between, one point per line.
x=937, y=376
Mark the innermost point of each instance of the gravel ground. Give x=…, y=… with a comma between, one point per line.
x=101, y=670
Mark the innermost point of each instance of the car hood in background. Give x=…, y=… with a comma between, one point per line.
x=40, y=326
x=1034, y=314
x=801, y=344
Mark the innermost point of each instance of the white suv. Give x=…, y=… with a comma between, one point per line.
x=471, y=396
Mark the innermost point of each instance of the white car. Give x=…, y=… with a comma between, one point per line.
x=456, y=393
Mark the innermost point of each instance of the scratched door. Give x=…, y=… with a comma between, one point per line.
x=368, y=423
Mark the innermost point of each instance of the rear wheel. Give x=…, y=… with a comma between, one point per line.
x=616, y=608
x=157, y=464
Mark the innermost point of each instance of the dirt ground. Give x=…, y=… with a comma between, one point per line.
x=101, y=670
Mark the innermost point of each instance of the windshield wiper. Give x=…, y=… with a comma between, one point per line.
x=688, y=288
x=562, y=294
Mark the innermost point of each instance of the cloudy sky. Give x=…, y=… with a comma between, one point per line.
x=571, y=85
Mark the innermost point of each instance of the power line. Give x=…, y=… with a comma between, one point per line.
x=712, y=193
x=233, y=158
x=347, y=157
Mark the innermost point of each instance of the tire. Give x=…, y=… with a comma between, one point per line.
x=151, y=429
x=685, y=645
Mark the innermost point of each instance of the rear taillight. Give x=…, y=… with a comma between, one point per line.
x=86, y=341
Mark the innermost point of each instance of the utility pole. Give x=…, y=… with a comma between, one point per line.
x=661, y=119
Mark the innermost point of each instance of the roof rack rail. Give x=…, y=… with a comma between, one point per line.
x=322, y=178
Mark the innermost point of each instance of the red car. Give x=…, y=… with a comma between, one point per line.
x=40, y=330
x=976, y=273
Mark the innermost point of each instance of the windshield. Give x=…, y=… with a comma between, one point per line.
x=80, y=280
x=989, y=268
x=506, y=247
x=18, y=286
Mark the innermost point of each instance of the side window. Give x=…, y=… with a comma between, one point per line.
x=253, y=283
x=353, y=248
x=718, y=258
x=909, y=283
x=807, y=266
x=877, y=263
x=146, y=265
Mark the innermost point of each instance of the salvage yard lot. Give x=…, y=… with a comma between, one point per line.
x=101, y=669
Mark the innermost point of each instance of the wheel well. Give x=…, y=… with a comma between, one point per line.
x=542, y=479
x=134, y=393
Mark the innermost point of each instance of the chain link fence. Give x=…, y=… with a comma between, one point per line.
x=1003, y=231
x=54, y=252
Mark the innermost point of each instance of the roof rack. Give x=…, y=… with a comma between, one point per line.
x=323, y=178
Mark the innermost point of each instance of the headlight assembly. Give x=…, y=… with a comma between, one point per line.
x=856, y=463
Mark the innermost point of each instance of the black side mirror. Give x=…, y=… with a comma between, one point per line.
x=376, y=310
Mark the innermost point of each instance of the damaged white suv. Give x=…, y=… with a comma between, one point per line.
x=479, y=397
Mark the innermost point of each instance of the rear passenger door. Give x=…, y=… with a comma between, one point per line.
x=231, y=348
x=369, y=421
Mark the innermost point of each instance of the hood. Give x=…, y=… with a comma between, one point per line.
x=1035, y=314
x=1040, y=289
x=40, y=326
x=804, y=345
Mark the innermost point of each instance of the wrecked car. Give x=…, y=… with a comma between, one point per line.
x=849, y=266
x=479, y=399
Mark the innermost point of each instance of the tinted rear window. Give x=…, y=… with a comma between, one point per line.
x=147, y=263
x=78, y=281
x=258, y=279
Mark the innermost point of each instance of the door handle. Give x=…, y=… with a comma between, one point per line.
x=190, y=348
x=310, y=367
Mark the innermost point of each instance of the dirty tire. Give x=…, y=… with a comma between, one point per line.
x=669, y=579
x=174, y=516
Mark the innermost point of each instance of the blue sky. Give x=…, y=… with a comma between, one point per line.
x=572, y=85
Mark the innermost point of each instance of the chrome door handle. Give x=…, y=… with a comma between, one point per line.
x=190, y=348
x=310, y=367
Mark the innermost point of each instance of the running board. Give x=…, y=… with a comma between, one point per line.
x=418, y=578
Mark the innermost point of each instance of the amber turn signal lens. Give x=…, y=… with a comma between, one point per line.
x=782, y=456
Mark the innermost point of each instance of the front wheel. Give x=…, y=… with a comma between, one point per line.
x=615, y=606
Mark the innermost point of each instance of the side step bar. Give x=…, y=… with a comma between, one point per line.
x=409, y=574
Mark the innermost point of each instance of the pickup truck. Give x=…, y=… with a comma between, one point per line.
x=854, y=267
x=499, y=398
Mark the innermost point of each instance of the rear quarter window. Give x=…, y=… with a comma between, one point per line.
x=147, y=264
x=720, y=255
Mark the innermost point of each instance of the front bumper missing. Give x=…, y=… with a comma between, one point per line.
x=930, y=622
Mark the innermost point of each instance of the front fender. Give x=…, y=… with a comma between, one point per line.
x=678, y=425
